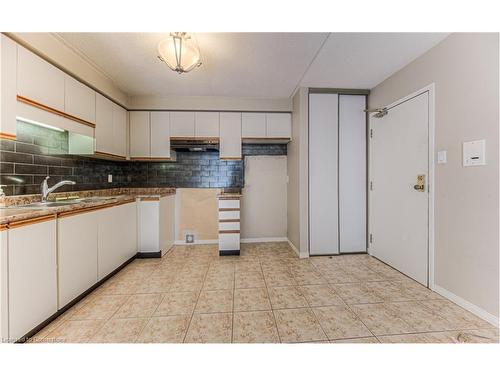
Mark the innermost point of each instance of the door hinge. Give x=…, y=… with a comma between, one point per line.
x=371, y=238
x=371, y=185
x=371, y=133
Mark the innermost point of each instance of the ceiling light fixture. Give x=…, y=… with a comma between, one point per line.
x=180, y=52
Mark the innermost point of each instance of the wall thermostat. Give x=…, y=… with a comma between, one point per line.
x=474, y=153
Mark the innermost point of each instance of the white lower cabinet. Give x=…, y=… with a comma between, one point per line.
x=32, y=281
x=77, y=255
x=116, y=237
x=4, y=282
x=156, y=224
x=229, y=226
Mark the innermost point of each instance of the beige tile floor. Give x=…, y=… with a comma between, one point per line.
x=266, y=295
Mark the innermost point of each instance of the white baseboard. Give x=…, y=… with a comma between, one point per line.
x=264, y=239
x=476, y=310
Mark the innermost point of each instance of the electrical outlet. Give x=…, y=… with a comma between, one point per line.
x=189, y=238
x=110, y=178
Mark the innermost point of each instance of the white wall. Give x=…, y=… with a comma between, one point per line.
x=465, y=70
x=264, y=200
x=297, y=193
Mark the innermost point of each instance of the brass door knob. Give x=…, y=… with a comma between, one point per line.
x=420, y=186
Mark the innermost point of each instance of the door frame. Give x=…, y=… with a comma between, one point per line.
x=430, y=184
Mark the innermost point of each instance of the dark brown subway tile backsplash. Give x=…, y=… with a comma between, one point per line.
x=24, y=163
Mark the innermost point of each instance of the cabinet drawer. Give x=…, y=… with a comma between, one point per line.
x=229, y=241
x=235, y=225
x=225, y=203
x=227, y=215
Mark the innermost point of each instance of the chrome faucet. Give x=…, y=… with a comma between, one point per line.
x=46, y=190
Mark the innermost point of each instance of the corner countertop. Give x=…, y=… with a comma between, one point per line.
x=13, y=210
x=229, y=196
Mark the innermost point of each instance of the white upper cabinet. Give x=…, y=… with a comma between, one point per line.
x=104, y=137
x=39, y=81
x=119, y=130
x=230, y=135
x=182, y=124
x=160, y=134
x=278, y=125
x=253, y=125
x=8, y=88
x=79, y=100
x=140, y=133
x=206, y=124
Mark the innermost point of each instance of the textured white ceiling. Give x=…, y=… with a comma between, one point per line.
x=363, y=60
x=265, y=65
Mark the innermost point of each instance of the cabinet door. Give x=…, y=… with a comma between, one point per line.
x=8, y=88
x=108, y=244
x=32, y=276
x=253, y=125
x=230, y=135
x=182, y=124
x=79, y=100
x=278, y=125
x=148, y=226
x=206, y=124
x=77, y=255
x=160, y=134
x=140, y=133
x=104, y=141
x=119, y=130
x=127, y=236
x=4, y=283
x=39, y=81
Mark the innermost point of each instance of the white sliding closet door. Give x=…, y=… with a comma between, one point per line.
x=323, y=174
x=352, y=173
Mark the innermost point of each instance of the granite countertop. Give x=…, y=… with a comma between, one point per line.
x=12, y=209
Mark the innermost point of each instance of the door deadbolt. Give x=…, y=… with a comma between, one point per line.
x=420, y=186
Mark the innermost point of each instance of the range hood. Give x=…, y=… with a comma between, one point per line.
x=194, y=144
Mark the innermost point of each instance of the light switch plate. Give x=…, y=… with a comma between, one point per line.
x=442, y=157
x=474, y=153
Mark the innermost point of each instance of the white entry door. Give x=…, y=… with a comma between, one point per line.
x=399, y=217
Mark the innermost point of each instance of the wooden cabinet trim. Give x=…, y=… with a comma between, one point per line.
x=229, y=232
x=35, y=220
x=12, y=137
x=33, y=103
x=95, y=208
x=109, y=155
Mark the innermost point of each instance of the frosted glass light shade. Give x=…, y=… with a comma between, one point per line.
x=180, y=52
